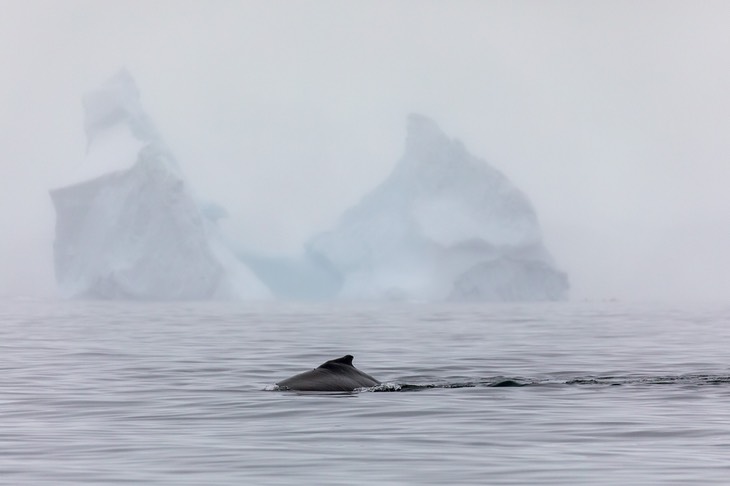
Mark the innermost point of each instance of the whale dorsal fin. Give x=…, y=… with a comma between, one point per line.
x=345, y=360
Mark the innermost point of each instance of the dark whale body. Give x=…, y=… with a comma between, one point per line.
x=334, y=375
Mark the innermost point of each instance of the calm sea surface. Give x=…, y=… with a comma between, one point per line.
x=177, y=394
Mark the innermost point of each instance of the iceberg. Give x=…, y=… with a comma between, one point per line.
x=444, y=225
x=132, y=227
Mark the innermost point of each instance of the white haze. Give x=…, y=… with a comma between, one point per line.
x=613, y=117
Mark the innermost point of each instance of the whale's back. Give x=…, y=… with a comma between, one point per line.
x=334, y=375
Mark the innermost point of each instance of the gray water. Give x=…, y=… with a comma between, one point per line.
x=109, y=393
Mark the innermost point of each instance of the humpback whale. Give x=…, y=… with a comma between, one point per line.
x=334, y=375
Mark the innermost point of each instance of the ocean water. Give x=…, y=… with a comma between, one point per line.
x=149, y=393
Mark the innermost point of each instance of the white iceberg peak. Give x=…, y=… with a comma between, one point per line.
x=117, y=102
x=420, y=127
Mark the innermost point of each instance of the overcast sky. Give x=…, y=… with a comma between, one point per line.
x=612, y=116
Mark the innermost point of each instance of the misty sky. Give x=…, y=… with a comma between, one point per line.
x=613, y=117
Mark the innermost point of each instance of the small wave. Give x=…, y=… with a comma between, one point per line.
x=690, y=379
x=590, y=380
x=386, y=387
x=494, y=382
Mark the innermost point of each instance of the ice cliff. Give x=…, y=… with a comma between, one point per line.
x=443, y=226
x=130, y=227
